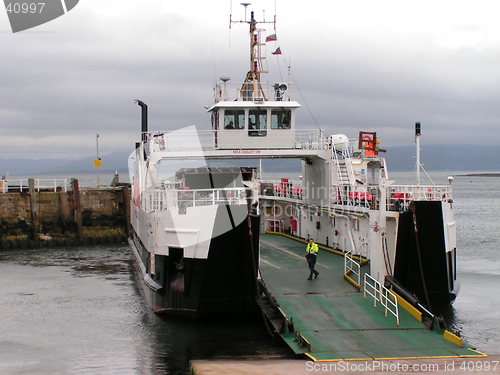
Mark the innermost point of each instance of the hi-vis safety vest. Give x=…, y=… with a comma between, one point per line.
x=312, y=249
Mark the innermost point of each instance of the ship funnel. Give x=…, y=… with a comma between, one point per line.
x=144, y=121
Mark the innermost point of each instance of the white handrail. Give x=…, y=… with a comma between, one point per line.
x=380, y=293
x=351, y=266
x=161, y=199
x=304, y=139
x=399, y=197
x=40, y=183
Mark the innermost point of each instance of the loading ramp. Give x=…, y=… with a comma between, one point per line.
x=329, y=319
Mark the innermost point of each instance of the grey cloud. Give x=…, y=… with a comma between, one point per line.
x=58, y=89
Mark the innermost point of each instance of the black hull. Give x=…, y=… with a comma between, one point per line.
x=438, y=266
x=224, y=282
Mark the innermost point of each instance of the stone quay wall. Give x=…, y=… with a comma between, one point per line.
x=32, y=218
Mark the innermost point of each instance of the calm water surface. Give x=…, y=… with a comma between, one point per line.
x=80, y=310
x=477, y=309
x=476, y=312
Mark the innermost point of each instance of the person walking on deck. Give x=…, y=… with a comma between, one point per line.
x=311, y=255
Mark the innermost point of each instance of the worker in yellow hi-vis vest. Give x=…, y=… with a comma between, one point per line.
x=311, y=255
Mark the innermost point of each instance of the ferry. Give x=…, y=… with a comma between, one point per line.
x=199, y=206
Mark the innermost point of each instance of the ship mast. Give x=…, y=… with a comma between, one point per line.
x=252, y=87
x=252, y=80
x=417, y=141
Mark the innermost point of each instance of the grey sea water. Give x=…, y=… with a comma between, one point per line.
x=477, y=309
x=80, y=310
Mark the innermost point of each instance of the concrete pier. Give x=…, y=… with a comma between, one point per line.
x=485, y=365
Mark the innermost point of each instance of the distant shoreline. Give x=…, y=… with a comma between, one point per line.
x=496, y=174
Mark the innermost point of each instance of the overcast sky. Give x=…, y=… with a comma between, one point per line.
x=360, y=65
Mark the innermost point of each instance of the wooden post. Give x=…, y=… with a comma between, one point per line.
x=64, y=207
x=78, y=207
x=33, y=213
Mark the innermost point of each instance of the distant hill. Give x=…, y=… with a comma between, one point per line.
x=458, y=158
x=433, y=157
x=27, y=166
x=116, y=161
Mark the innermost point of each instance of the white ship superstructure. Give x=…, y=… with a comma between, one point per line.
x=198, y=206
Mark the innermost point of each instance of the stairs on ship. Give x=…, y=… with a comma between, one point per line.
x=343, y=174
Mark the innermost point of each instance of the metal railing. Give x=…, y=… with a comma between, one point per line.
x=231, y=91
x=352, y=267
x=381, y=294
x=307, y=139
x=40, y=184
x=354, y=196
x=365, y=197
x=282, y=189
x=160, y=200
x=274, y=225
x=199, y=140
x=400, y=196
x=344, y=153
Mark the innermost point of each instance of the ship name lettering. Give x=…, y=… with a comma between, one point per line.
x=246, y=151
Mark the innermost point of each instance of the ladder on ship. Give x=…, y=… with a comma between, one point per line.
x=343, y=174
x=343, y=166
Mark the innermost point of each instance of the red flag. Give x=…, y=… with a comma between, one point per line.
x=277, y=52
x=271, y=38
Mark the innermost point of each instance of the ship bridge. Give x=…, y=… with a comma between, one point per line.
x=243, y=117
x=191, y=144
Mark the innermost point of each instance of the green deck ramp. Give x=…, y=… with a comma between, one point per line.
x=332, y=320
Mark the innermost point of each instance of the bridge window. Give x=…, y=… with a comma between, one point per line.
x=257, y=122
x=281, y=118
x=234, y=119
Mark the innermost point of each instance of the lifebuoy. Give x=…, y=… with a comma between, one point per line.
x=367, y=144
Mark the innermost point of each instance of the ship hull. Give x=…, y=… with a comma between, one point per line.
x=224, y=281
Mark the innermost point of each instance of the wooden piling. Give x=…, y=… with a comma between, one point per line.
x=33, y=211
x=78, y=207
